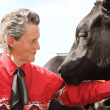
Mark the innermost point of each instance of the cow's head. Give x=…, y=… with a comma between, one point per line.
x=89, y=56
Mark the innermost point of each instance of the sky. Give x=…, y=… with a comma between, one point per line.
x=58, y=22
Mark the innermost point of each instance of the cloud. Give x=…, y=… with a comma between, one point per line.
x=64, y=12
x=5, y=1
x=59, y=20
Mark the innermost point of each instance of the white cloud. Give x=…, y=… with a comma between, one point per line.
x=64, y=12
x=59, y=19
x=5, y=1
x=58, y=23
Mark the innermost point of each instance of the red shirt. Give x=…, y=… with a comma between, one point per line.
x=42, y=84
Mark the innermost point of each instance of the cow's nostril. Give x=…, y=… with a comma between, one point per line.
x=59, y=70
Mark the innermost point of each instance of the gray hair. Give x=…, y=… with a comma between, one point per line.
x=12, y=25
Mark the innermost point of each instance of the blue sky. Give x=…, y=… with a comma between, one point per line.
x=59, y=19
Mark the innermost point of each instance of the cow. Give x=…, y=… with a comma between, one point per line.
x=53, y=64
x=89, y=56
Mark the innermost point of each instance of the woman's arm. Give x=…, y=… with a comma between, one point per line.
x=83, y=94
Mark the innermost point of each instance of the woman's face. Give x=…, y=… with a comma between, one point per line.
x=26, y=47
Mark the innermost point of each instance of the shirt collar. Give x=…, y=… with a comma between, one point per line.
x=9, y=64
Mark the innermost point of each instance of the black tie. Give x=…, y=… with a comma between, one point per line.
x=19, y=93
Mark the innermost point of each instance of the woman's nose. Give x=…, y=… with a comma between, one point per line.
x=37, y=46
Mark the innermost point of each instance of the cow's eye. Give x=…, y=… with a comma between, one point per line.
x=83, y=35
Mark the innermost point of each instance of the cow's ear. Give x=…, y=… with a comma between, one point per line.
x=106, y=4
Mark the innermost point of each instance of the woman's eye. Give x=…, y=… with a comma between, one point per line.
x=32, y=41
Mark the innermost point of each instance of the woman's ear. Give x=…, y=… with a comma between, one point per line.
x=10, y=41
